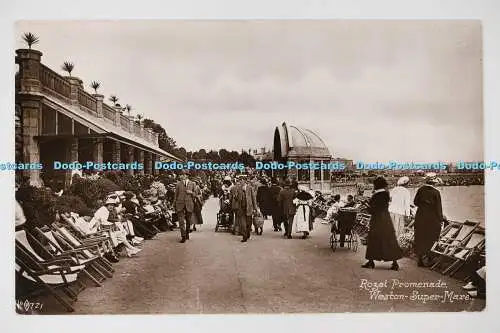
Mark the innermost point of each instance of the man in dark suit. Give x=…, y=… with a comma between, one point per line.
x=285, y=201
x=246, y=207
x=184, y=204
x=235, y=203
x=276, y=210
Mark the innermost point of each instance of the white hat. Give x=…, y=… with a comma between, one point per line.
x=111, y=201
x=227, y=178
x=430, y=175
x=403, y=180
x=303, y=188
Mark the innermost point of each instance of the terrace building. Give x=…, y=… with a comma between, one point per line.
x=57, y=120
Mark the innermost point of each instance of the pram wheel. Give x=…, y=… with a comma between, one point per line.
x=333, y=241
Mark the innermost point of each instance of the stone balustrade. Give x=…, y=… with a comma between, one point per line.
x=34, y=77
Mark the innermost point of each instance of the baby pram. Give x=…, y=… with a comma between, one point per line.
x=342, y=230
x=225, y=215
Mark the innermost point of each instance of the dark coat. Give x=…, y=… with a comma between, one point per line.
x=382, y=241
x=285, y=201
x=427, y=219
x=265, y=200
x=274, y=193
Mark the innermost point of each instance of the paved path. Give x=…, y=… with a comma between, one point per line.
x=216, y=273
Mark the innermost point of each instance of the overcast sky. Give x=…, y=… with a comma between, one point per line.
x=373, y=90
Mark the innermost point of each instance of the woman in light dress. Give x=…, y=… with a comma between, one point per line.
x=301, y=220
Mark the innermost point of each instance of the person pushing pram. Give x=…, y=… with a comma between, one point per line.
x=225, y=216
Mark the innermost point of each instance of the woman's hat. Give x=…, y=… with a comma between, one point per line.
x=110, y=201
x=379, y=183
x=227, y=178
x=431, y=178
x=403, y=180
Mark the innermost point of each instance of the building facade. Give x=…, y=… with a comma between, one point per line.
x=302, y=146
x=57, y=120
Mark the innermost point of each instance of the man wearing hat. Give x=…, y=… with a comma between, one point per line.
x=285, y=201
x=400, y=205
x=276, y=210
x=184, y=204
x=246, y=207
x=235, y=204
x=428, y=217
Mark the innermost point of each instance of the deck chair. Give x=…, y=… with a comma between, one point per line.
x=447, y=246
x=89, y=247
x=448, y=234
x=462, y=255
x=91, y=264
x=59, y=273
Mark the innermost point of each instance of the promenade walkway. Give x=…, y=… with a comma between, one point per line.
x=215, y=273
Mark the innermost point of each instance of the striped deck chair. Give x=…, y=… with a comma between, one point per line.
x=59, y=273
x=89, y=247
x=94, y=270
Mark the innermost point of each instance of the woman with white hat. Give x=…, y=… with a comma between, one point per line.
x=428, y=217
x=117, y=234
x=400, y=205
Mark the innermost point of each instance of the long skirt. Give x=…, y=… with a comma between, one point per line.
x=382, y=242
x=301, y=219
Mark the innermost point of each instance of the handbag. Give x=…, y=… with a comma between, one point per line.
x=258, y=220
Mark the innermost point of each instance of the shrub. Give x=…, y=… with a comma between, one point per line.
x=38, y=205
x=71, y=203
x=91, y=191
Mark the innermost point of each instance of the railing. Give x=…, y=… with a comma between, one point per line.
x=137, y=130
x=108, y=112
x=54, y=83
x=58, y=87
x=124, y=122
x=87, y=100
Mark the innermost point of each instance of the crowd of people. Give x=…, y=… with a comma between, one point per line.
x=249, y=200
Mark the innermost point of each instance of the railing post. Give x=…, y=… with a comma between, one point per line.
x=76, y=85
x=118, y=114
x=29, y=62
x=99, y=101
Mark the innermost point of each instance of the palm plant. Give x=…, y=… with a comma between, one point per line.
x=68, y=67
x=128, y=108
x=95, y=85
x=113, y=99
x=139, y=117
x=30, y=39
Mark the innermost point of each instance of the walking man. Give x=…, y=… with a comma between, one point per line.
x=277, y=211
x=285, y=201
x=184, y=204
x=247, y=207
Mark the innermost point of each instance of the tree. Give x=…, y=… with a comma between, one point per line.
x=213, y=156
x=224, y=155
x=113, y=99
x=247, y=159
x=95, y=85
x=164, y=141
x=30, y=39
x=68, y=67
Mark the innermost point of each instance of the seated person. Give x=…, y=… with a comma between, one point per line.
x=477, y=286
x=133, y=212
x=116, y=232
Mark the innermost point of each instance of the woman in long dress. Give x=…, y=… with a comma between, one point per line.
x=428, y=217
x=301, y=220
x=382, y=242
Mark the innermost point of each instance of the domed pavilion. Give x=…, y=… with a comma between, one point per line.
x=300, y=145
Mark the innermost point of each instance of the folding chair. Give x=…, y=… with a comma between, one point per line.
x=60, y=248
x=85, y=245
x=451, y=240
x=53, y=274
x=463, y=254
